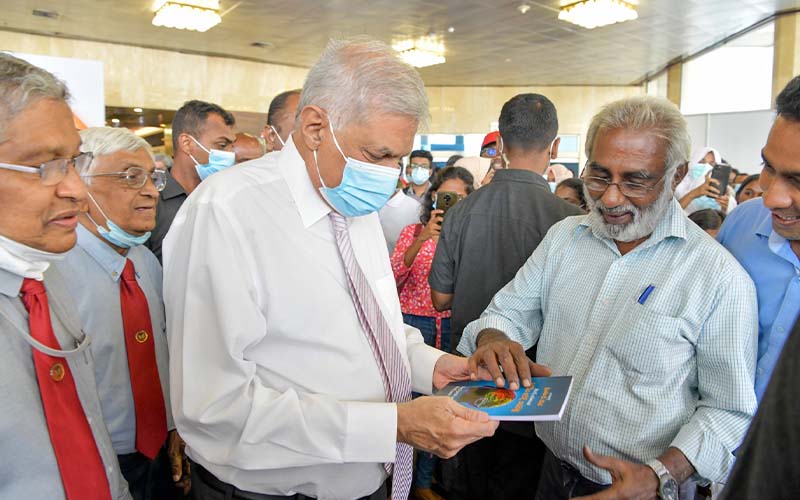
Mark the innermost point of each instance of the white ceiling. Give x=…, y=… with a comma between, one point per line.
x=493, y=44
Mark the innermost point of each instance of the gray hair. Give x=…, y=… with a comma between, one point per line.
x=360, y=76
x=654, y=114
x=107, y=140
x=164, y=158
x=22, y=84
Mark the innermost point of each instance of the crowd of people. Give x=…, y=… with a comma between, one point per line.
x=268, y=317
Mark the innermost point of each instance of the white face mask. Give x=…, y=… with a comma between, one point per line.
x=25, y=261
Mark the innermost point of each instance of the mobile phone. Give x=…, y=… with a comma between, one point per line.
x=445, y=200
x=722, y=173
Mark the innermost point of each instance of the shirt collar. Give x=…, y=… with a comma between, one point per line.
x=108, y=258
x=764, y=227
x=172, y=189
x=10, y=283
x=306, y=198
x=673, y=224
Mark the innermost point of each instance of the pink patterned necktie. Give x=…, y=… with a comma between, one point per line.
x=396, y=380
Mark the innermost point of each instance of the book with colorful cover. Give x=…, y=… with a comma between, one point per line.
x=544, y=400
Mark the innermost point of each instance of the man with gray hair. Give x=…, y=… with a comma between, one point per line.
x=53, y=441
x=290, y=366
x=116, y=284
x=655, y=321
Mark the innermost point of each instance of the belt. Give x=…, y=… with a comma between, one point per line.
x=231, y=491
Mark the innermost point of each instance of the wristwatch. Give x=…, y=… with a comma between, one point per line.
x=667, y=487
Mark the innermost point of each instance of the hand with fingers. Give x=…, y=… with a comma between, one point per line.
x=629, y=480
x=505, y=360
x=179, y=463
x=439, y=425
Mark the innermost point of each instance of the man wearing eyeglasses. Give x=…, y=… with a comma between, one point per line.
x=116, y=284
x=53, y=441
x=655, y=321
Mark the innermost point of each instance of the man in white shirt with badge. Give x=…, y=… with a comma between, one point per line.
x=291, y=370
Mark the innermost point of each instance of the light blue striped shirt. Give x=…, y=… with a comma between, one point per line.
x=675, y=371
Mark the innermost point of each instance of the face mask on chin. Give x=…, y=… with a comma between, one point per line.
x=22, y=260
x=115, y=234
x=217, y=160
x=365, y=187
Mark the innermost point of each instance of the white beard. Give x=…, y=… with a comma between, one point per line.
x=644, y=220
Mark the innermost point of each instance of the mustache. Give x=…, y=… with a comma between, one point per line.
x=621, y=209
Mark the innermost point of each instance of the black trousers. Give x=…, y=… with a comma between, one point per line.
x=505, y=466
x=206, y=486
x=149, y=479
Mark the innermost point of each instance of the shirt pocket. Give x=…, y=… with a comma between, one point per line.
x=650, y=344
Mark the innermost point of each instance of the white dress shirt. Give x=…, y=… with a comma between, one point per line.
x=400, y=211
x=274, y=386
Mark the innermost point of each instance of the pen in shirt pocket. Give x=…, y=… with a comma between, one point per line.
x=647, y=291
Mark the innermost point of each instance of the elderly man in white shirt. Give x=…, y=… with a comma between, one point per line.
x=291, y=370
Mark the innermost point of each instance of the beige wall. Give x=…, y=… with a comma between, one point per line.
x=149, y=78
x=464, y=110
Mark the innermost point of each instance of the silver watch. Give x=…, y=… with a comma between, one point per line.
x=667, y=487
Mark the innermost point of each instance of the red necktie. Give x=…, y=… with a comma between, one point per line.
x=148, y=401
x=82, y=471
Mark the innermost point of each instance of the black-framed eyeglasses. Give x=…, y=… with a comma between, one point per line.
x=52, y=172
x=136, y=177
x=629, y=189
x=419, y=165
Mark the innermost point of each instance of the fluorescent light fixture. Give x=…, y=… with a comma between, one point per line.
x=421, y=52
x=594, y=13
x=197, y=15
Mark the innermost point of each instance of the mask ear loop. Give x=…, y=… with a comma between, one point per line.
x=278, y=136
x=98, y=207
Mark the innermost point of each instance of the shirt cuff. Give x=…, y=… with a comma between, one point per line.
x=711, y=461
x=371, y=432
x=468, y=345
x=423, y=359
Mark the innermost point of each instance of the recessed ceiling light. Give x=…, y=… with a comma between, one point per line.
x=591, y=14
x=137, y=110
x=196, y=15
x=262, y=45
x=49, y=14
x=524, y=8
x=451, y=29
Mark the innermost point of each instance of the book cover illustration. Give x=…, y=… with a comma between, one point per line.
x=544, y=400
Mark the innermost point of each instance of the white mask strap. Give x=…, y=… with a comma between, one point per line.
x=277, y=135
x=198, y=143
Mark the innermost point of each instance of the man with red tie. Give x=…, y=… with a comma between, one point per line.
x=116, y=284
x=53, y=442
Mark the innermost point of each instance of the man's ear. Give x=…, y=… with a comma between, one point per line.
x=680, y=173
x=554, y=149
x=185, y=143
x=313, y=123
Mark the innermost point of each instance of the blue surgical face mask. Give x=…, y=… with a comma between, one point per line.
x=217, y=160
x=420, y=175
x=698, y=170
x=115, y=234
x=365, y=187
x=705, y=202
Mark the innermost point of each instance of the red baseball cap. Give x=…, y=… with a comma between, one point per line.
x=490, y=138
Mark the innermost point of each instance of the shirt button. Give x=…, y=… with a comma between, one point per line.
x=57, y=372
x=605, y=302
x=780, y=329
x=114, y=274
x=760, y=371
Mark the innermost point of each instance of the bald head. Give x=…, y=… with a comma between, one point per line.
x=246, y=147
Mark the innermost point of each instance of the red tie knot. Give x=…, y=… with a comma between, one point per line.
x=32, y=287
x=129, y=273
